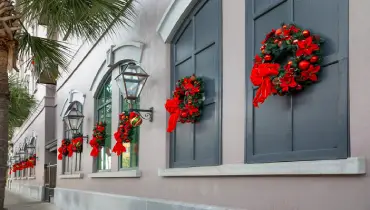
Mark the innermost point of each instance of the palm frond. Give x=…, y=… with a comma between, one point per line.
x=47, y=54
x=21, y=104
x=80, y=18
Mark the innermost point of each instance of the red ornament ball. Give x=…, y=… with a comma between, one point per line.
x=276, y=41
x=295, y=41
x=306, y=33
x=268, y=57
x=278, y=32
x=314, y=59
x=303, y=65
x=184, y=114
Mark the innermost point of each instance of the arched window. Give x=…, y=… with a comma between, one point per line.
x=72, y=164
x=104, y=114
x=130, y=158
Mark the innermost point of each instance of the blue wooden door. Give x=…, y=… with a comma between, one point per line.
x=196, y=51
x=314, y=123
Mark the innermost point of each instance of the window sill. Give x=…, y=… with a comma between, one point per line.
x=31, y=178
x=118, y=174
x=350, y=166
x=23, y=178
x=71, y=176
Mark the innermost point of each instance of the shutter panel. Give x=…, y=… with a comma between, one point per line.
x=196, y=50
x=314, y=123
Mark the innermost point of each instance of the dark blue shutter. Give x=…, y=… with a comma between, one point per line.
x=313, y=124
x=196, y=49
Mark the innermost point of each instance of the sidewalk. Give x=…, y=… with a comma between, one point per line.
x=16, y=202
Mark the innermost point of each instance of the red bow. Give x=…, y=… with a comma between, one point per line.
x=118, y=147
x=260, y=76
x=95, y=147
x=172, y=106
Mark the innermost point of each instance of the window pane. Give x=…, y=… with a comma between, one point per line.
x=129, y=159
x=101, y=116
x=101, y=99
x=108, y=91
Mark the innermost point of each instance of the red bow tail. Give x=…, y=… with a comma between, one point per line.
x=95, y=151
x=60, y=156
x=172, y=121
x=172, y=106
x=263, y=92
x=118, y=147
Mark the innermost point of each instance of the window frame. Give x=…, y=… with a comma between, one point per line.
x=180, y=30
x=107, y=80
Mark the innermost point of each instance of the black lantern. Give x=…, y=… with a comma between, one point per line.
x=74, y=119
x=131, y=82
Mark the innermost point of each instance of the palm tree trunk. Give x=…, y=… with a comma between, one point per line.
x=4, y=101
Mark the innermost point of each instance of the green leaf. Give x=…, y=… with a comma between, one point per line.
x=47, y=54
x=80, y=18
x=21, y=104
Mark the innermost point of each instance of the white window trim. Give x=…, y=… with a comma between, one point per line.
x=350, y=166
x=172, y=18
x=31, y=178
x=72, y=176
x=117, y=174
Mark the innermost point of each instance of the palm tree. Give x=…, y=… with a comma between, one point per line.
x=83, y=19
x=20, y=105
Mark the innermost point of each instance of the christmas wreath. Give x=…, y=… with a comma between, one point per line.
x=187, y=102
x=301, y=70
x=65, y=149
x=128, y=121
x=77, y=143
x=98, y=139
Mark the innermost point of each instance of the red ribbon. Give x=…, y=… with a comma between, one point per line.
x=260, y=76
x=172, y=106
x=118, y=147
x=95, y=147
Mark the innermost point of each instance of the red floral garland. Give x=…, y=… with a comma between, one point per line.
x=124, y=134
x=27, y=163
x=299, y=72
x=98, y=139
x=77, y=143
x=187, y=102
x=65, y=149
x=32, y=161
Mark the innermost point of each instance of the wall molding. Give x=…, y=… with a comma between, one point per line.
x=172, y=18
x=349, y=166
x=129, y=51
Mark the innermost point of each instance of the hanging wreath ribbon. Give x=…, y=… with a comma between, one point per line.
x=187, y=102
x=98, y=139
x=128, y=121
x=268, y=73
